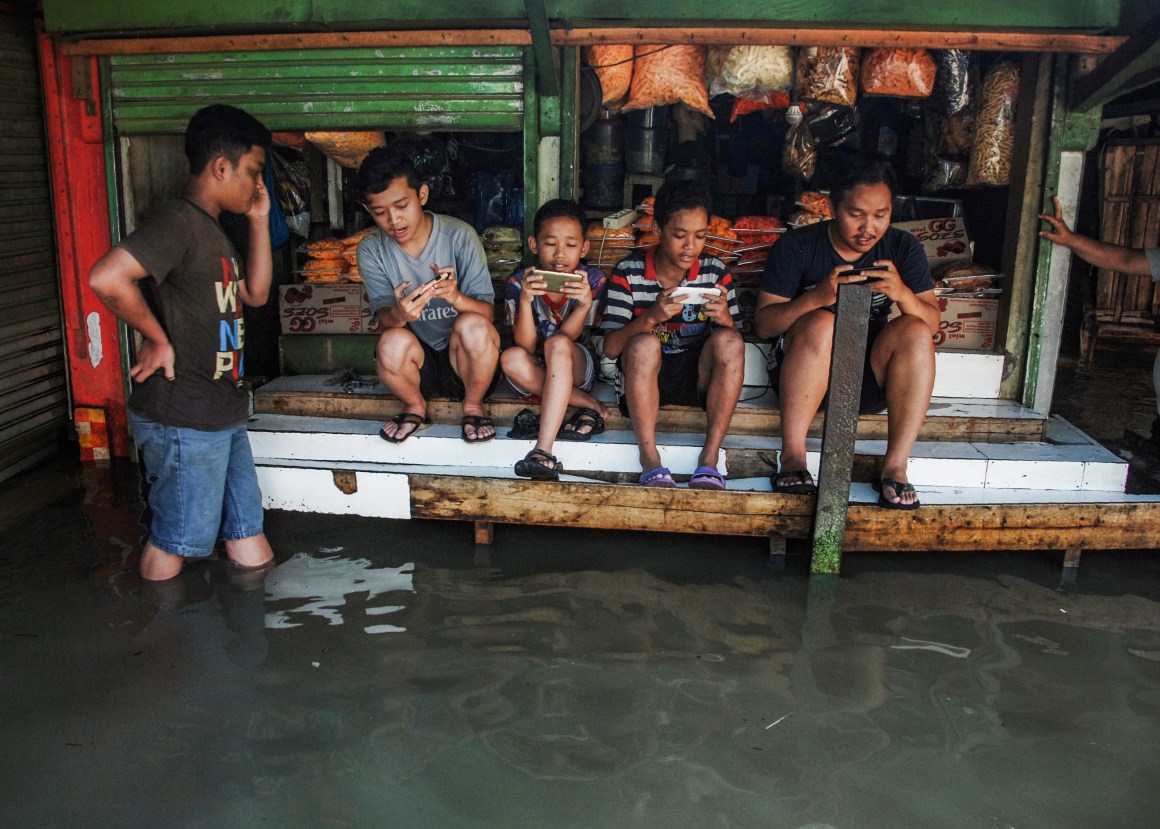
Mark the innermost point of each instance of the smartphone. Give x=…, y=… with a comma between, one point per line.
x=865, y=270
x=555, y=279
x=440, y=276
x=691, y=295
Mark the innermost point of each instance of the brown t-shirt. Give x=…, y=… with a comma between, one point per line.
x=193, y=290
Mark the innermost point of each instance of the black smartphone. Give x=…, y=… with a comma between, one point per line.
x=865, y=270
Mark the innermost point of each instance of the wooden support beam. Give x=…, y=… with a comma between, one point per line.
x=1034, y=41
x=484, y=532
x=547, y=66
x=1134, y=64
x=851, y=326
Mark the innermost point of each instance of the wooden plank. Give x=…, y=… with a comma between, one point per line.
x=609, y=506
x=1090, y=526
x=851, y=324
x=1052, y=41
x=931, y=528
x=746, y=420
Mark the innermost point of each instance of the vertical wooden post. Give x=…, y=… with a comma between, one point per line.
x=840, y=427
x=484, y=532
x=1071, y=558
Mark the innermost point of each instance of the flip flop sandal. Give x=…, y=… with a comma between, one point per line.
x=477, y=422
x=660, y=477
x=706, y=477
x=526, y=424
x=582, y=417
x=804, y=486
x=534, y=466
x=899, y=487
x=419, y=422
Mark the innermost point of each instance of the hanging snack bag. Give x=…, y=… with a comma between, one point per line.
x=994, y=143
x=745, y=104
x=902, y=73
x=347, y=148
x=799, y=157
x=613, y=66
x=828, y=73
x=954, y=88
x=669, y=75
x=746, y=70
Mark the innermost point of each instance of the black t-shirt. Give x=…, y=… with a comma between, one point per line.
x=804, y=257
x=193, y=290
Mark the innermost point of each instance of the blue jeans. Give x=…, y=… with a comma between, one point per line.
x=202, y=486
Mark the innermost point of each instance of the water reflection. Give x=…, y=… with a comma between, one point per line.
x=566, y=679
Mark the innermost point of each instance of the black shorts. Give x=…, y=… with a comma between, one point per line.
x=438, y=379
x=677, y=380
x=872, y=398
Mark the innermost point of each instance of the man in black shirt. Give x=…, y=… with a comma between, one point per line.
x=795, y=308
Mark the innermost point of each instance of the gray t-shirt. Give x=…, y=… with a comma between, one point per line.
x=1153, y=255
x=384, y=266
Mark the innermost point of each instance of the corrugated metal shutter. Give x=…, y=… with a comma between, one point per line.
x=461, y=88
x=33, y=383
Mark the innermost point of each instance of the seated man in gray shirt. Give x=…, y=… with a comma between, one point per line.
x=427, y=280
x=1135, y=261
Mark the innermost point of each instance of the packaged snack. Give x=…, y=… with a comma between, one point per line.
x=745, y=104
x=613, y=66
x=799, y=156
x=902, y=73
x=745, y=70
x=955, y=84
x=994, y=144
x=347, y=148
x=669, y=75
x=828, y=73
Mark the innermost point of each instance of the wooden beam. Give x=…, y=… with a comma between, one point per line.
x=847, y=357
x=1037, y=41
x=1134, y=64
x=1016, y=41
x=547, y=65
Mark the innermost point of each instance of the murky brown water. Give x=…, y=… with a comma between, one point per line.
x=390, y=674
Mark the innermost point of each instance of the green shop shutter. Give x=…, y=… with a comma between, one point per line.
x=439, y=88
x=33, y=384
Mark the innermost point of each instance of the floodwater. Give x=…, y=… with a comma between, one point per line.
x=391, y=674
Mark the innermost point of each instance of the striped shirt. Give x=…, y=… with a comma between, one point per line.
x=546, y=315
x=633, y=288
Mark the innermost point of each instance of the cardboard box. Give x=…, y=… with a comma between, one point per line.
x=325, y=308
x=966, y=322
x=944, y=240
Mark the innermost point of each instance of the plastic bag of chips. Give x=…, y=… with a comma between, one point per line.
x=668, y=75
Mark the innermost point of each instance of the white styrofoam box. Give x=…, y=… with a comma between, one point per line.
x=298, y=489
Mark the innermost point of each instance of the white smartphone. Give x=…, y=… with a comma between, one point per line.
x=692, y=295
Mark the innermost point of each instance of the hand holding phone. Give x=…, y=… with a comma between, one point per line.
x=555, y=280
x=867, y=271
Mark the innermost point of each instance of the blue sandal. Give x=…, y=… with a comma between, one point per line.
x=706, y=477
x=660, y=477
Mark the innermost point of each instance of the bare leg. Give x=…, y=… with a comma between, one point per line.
x=805, y=376
x=559, y=357
x=474, y=357
x=640, y=361
x=398, y=359
x=720, y=373
x=158, y=565
x=903, y=363
x=253, y=551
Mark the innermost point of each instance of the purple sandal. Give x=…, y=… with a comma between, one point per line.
x=706, y=477
x=660, y=477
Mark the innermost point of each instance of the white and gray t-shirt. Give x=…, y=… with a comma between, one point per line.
x=384, y=265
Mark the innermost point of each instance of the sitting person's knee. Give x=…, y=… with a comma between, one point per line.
x=814, y=331
x=393, y=346
x=558, y=347
x=473, y=331
x=643, y=348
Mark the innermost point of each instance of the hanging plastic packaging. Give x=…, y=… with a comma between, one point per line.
x=347, y=148
x=669, y=75
x=955, y=85
x=748, y=70
x=613, y=66
x=901, y=73
x=291, y=186
x=993, y=148
x=279, y=231
x=829, y=74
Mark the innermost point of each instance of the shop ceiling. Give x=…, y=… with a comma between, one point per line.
x=1124, y=30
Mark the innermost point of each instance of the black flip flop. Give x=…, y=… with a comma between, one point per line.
x=805, y=487
x=476, y=422
x=525, y=425
x=420, y=422
x=899, y=487
x=583, y=416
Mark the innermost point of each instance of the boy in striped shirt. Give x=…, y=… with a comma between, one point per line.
x=670, y=347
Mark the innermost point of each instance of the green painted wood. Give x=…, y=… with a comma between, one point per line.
x=531, y=150
x=461, y=88
x=547, y=68
x=840, y=427
x=569, y=103
x=114, y=16
x=1132, y=66
x=327, y=354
